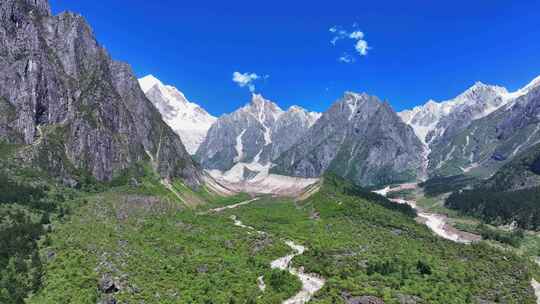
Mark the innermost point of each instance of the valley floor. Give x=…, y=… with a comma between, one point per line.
x=135, y=247
x=451, y=225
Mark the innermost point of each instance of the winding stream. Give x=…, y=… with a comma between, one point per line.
x=438, y=223
x=311, y=283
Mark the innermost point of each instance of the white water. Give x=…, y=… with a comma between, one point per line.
x=311, y=283
x=536, y=286
x=436, y=222
x=260, y=282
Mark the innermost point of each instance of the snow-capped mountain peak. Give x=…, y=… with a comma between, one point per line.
x=187, y=119
x=147, y=82
x=433, y=119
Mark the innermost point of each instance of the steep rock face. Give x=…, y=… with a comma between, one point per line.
x=290, y=127
x=434, y=122
x=187, y=119
x=256, y=133
x=360, y=138
x=491, y=141
x=75, y=108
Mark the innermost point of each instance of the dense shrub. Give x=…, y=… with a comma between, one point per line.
x=500, y=208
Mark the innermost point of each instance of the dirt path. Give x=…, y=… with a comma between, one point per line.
x=221, y=209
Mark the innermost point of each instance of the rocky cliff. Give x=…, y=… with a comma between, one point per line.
x=360, y=138
x=256, y=133
x=75, y=109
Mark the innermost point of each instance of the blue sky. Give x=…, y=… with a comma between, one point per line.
x=417, y=49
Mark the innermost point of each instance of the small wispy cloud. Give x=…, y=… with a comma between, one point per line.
x=247, y=80
x=346, y=58
x=360, y=44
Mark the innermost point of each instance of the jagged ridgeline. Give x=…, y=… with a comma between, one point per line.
x=360, y=138
x=71, y=108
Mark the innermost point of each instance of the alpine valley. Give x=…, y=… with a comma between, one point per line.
x=115, y=189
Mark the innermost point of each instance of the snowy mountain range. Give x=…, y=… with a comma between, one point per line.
x=437, y=119
x=187, y=119
x=472, y=130
x=359, y=137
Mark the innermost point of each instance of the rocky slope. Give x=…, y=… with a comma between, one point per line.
x=187, y=119
x=255, y=134
x=360, y=138
x=435, y=121
x=522, y=172
x=489, y=142
x=77, y=111
x=451, y=129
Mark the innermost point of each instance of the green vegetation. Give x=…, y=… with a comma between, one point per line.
x=441, y=185
x=512, y=195
x=25, y=214
x=362, y=248
x=500, y=208
x=512, y=238
x=159, y=252
x=134, y=240
x=520, y=173
x=336, y=185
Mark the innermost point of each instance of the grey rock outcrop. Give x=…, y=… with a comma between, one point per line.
x=77, y=110
x=258, y=132
x=359, y=138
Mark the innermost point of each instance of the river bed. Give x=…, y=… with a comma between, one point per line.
x=438, y=223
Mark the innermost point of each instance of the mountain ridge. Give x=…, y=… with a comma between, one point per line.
x=77, y=111
x=255, y=133
x=446, y=128
x=360, y=137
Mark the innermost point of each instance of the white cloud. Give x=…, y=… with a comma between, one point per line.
x=357, y=35
x=246, y=80
x=361, y=45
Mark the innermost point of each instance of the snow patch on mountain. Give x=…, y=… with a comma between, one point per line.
x=430, y=121
x=249, y=139
x=187, y=119
x=239, y=147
